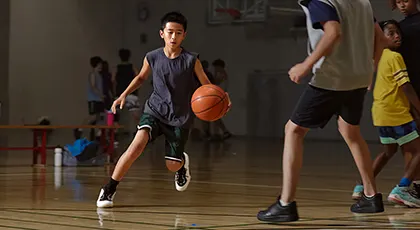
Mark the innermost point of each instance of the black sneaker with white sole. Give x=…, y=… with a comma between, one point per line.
x=368, y=204
x=105, y=199
x=278, y=213
x=183, y=176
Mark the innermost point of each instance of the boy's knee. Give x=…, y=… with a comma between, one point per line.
x=173, y=165
x=137, y=146
x=348, y=131
x=143, y=133
x=292, y=128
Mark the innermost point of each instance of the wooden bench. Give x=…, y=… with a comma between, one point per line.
x=40, y=131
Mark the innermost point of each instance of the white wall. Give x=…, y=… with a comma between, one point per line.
x=50, y=45
x=51, y=42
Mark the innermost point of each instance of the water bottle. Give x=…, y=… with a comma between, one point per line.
x=57, y=177
x=109, y=118
x=58, y=157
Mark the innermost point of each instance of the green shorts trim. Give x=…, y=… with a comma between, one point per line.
x=401, y=134
x=401, y=141
x=175, y=137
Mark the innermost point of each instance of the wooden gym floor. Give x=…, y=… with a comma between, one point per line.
x=231, y=183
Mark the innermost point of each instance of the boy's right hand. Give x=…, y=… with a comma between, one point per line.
x=119, y=101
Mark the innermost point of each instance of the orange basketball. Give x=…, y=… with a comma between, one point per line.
x=209, y=102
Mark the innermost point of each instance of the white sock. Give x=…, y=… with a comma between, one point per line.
x=283, y=203
x=370, y=196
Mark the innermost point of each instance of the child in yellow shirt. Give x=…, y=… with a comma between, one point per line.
x=392, y=96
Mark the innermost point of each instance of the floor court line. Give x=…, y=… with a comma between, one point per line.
x=308, y=226
x=203, y=182
x=382, y=222
x=215, y=183
x=50, y=223
x=86, y=218
x=13, y=227
x=151, y=224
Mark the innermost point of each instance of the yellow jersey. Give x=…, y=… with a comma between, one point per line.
x=390, y=105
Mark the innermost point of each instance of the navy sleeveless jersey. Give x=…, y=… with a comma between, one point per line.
x=174, y=82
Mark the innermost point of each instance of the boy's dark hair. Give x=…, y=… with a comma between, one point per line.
x=176, y=17
x=383, y=24
x=124, y=54
x=95, y=61
x=219, y=62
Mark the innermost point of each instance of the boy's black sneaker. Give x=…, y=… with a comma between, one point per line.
x=278, y=213
x=105, y=199
x=183, y=176
x=368, y=204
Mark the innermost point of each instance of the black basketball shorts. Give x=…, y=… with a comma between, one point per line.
x=316, y=106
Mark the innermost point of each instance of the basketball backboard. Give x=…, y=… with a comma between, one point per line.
x=236, y=11
x=285, y=19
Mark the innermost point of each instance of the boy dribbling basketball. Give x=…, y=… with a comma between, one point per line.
x=167, y=111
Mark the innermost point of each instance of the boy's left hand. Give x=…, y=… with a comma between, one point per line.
x=298, y=72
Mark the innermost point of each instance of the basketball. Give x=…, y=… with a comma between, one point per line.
x=209, y=102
